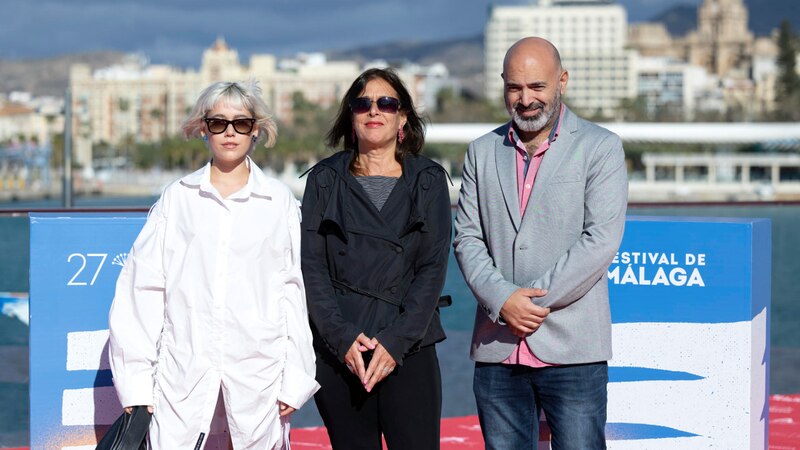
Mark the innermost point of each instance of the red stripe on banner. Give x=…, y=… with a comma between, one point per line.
x=464, y=433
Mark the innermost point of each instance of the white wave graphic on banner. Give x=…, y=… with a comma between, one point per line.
x=87, y=350
x=721, y=355
x=90, y=406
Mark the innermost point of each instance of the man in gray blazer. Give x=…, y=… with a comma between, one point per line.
x=540, y=217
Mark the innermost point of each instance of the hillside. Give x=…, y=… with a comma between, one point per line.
x=463, y=57
x=49, y=76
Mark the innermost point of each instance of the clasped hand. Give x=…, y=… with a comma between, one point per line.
x=129, y=409
x=522, y=316
x=379, y=367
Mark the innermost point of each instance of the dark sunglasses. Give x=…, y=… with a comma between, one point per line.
x=361, y=105
x=218, y=126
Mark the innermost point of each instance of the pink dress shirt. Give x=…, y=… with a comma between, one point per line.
x=522, y=353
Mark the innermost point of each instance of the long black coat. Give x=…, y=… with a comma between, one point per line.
x=376, y=272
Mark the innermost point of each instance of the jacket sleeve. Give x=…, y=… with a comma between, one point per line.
x=299, y=371
x=484, y=279
x=136, y=317
x=605, y=204
x=323, y=309
x=430, y=270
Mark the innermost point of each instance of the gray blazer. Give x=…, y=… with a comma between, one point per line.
x=565, y=242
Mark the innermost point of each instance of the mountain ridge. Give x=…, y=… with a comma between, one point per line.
x=49, y=76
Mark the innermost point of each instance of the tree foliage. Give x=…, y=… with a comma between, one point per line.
x=301, y=137
x=457, y=107
x=169, y=153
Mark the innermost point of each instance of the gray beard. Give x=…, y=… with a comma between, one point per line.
x=532, y=124
x=535, y=124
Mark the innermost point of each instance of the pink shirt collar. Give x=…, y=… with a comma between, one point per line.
x=520, y=146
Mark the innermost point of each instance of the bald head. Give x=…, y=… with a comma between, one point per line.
x=533, y=83
x=533, y=49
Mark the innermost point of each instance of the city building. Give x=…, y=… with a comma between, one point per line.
x=765, y=73
x=670, y=89
x=724, y=47
x=138, y=102
x=589, y=34
x=423, y=82
x=16, y=121
x=722, y=42
x=27, y=126
x=25, y=118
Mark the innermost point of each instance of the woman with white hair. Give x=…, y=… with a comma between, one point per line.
x=211, y=303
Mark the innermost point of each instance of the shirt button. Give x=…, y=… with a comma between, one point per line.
x=398, y=249
x=393, y=290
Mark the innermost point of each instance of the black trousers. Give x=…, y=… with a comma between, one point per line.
x=406, y=407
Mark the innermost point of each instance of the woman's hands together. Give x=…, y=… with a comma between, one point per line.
x=354, y=359
x=380, y=366
x=129, y=409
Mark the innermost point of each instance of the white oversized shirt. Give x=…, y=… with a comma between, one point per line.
x=212, y=296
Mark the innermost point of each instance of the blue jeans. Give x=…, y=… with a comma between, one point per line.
x=573, y=397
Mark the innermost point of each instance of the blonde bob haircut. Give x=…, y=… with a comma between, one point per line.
x=246, y=95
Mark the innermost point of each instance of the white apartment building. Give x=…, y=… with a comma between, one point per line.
x=666, y=84
x=589, y=34
x=423, y=82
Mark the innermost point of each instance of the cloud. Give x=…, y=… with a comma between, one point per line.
x=176, y=31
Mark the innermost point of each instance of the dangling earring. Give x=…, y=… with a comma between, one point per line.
x=254, y=138
x=401, y=136
x=205, y=138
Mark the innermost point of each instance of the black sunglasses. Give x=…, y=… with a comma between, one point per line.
x=361, y=105
x=218, y=126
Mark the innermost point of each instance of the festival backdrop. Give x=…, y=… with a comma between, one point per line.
x=689, y=299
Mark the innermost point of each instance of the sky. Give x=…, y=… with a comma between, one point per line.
x=176, y=32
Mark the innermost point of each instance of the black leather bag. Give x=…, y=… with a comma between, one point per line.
x=129, y=432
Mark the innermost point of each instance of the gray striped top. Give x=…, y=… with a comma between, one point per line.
x=377, y=188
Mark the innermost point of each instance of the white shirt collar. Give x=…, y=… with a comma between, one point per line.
x=257, y=182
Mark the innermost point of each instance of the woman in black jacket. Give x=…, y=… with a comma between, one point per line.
x=376, y=236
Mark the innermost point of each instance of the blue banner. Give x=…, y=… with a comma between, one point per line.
x=690, y=307
x=697, y=270
x=75, y=261
x=689, y=301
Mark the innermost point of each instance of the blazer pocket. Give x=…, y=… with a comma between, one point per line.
x=566, y=179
